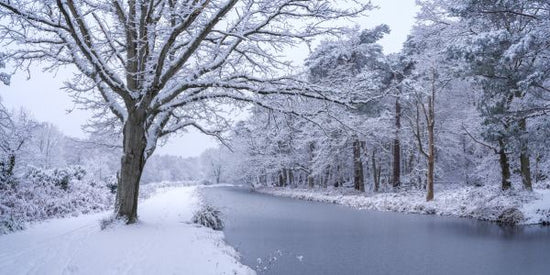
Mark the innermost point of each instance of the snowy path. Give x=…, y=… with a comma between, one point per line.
x=162, y=243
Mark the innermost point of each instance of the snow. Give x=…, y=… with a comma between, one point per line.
x=163, y=242
x=538, y=211
x=484, y=203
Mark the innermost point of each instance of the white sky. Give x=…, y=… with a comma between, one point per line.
x=42, y=97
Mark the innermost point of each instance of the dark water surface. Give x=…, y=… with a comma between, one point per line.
x=285, y=236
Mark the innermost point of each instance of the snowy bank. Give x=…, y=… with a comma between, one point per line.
x=163, y=242
x=483, y=203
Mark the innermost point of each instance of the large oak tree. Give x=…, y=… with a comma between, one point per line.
x=155, y=67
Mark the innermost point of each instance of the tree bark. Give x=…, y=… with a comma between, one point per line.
x=431, y=167
x=327, y=176
x=310, y=181
x=431, y=147
x=396, y=179
x=10, y=164
x=282, y=178
x=525, y=163
x=132, y=163
x=310, y=178
x=358, y=179
x=504, y=165
x=337, y=182
x=290, y=177
x=375, y=173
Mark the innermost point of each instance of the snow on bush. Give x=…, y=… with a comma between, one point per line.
x=46, y=193
x=208, y=216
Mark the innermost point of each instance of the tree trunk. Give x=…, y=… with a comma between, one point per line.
x=375, y=173
x=358, y=178
x=310, y=181
x=282, y=178
x=504, y=166
x=338, y=177
x=431, y=167
x=525, y=163
x=290, y=177
x=327, y=177
x=133, y=161
x=431, y=148
x=396, y=179
x=310, y=178
x=10, y=164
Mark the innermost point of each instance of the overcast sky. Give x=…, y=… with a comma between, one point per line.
x=42, y=97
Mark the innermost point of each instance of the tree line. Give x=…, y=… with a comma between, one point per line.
x=465, y=101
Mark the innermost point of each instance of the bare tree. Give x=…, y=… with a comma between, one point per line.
x=158, y=66
x=16, y=130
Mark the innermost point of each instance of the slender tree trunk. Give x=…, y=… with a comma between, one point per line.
x=133, y=161
x=504, y=165
x=282, y=178
x=410, y=163
x=358, y=178
x=337, y=179
x=431, y=167
x=218, y=176
x=431, y=147
x=525, y=163
x=375, y=173
x=290, y=177
x=10, y=164
x=327, y=177
x=263, y=180
x=310, y=178
x=310, y=181
x=396, y=179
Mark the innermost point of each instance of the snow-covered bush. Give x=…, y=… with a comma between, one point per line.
x=60, y=177
x=42, y=194
x=511, y=216
x=208, y=216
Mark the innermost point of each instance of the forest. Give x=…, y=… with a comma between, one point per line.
x=465, y=102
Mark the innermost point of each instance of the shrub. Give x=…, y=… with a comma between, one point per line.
x=208, y=216
x=510, y=216
x=42, y=194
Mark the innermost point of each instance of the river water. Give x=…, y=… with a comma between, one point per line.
x=285, y=236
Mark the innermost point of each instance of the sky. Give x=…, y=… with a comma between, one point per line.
x=42, y=97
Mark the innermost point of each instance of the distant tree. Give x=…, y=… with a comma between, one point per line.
x=16, y=130
x=431, y=74
x=47, y=143
x=356, y=68
x=213, y=163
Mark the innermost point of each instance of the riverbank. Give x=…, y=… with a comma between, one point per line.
x=486, y=203
x=162, y=242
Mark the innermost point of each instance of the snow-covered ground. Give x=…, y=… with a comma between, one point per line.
x=538, y=211
x=483, y=203
x=163, y=242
